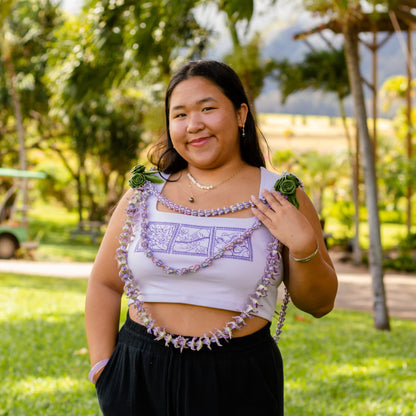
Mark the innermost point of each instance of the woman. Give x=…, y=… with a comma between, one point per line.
x=202, y=288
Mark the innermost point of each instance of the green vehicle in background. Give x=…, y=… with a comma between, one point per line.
x=13, y=234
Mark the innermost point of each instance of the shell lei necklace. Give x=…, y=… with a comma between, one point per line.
x=137, y=210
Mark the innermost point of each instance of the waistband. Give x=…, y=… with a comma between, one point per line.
x=136, y=335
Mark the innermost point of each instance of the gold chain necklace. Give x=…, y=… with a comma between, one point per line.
x=210, y=187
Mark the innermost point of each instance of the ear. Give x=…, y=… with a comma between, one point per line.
x=242, y=115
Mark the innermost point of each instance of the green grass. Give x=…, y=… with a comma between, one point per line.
x=334, y=366
x=51, y=226
x=43, y=349
x=391, y=234
x=67, y=252
x=340, y=365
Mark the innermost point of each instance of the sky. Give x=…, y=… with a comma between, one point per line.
x=269, y=21
x=72, y=6
x=208, y=15
x=265, y=17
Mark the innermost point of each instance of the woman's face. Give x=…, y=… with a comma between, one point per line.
x=204, y=125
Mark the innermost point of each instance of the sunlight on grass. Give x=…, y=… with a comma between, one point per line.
x=341, y=365
x=391, y=234
x=335, y=366
x=34, y=386
x=67, y=252
x=51, y=226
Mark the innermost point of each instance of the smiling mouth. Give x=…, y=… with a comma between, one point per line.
x=199, y=141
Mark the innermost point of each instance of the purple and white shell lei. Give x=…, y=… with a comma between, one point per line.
x=137, y=210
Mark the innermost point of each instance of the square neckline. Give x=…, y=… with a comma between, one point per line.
x=159, y=188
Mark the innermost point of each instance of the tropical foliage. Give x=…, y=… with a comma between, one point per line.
x=81, y=95
x=88, y=89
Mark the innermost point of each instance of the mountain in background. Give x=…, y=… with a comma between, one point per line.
x=280, y=44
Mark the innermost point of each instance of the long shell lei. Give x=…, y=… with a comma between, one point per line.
x=137, y=211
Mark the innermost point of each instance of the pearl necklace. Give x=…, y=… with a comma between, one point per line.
x=199, y=185
x=209, y=187
x=137, y=210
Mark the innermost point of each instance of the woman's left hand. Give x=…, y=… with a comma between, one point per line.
x=286, y=223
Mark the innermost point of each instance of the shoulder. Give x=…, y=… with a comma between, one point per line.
x=119, y=210
x=126, y=197
x=269, y=178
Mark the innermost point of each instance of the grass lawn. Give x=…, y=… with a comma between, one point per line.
x=337, y=365
x=52, y=226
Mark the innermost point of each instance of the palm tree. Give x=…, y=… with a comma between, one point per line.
x=401, y=88
x=347, y=14
x=6, y=56
x=245, y=58
x=324, y=70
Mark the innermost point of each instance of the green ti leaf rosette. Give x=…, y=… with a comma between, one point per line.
x=287, y=186
x=140, y=176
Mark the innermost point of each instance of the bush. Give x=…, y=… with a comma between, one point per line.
x=404, y=263
x=392, y=217
x=405, y=257
x=408, y=242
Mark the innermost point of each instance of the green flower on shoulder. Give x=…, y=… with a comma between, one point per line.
x=140, y=176
x=286, y=186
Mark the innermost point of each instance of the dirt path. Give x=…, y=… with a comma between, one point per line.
x=354, y=291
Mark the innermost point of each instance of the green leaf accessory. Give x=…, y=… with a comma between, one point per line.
x=140, y=176
x=287, y=185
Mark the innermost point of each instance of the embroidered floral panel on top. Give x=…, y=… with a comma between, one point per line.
x=195, y=240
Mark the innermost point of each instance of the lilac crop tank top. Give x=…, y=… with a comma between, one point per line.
x=181, y=240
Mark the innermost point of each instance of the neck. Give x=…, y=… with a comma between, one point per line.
x=215, y=175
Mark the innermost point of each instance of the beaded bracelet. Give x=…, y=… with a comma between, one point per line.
x=96, y=368
x=306, y=259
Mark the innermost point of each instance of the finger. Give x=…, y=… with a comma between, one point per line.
x=262, y=217
x=264, y=204
x=260, y=205
x=261, y=210
x=279, y=197
x=271, y=199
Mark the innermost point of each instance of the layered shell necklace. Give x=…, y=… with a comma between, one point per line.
x=137, y=212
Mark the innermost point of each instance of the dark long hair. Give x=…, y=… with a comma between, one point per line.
x=163, y=154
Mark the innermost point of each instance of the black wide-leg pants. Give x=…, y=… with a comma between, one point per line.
x=244, y=377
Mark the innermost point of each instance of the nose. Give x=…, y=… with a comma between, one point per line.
x=195, y=123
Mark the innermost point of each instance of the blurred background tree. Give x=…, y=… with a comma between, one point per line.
x=107, y=80
x=26, y=28
x=89, y=88
x=397, y=91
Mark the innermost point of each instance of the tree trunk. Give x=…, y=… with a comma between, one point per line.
x=409, y=144
x=76, y=176
x=79, y=192
x=381, y=317
x=19, y=130
x=354, y=185
x=355, y=196
x=94, y=211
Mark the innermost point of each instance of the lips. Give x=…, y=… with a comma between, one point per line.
x=200, y=141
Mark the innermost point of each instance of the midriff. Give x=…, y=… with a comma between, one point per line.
x=195, y=321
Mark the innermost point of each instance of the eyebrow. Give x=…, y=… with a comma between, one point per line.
x=202, y=101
